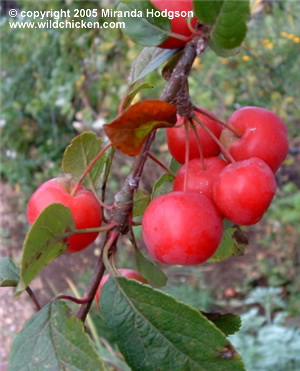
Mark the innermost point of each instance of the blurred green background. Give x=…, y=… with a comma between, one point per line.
x=57, y=83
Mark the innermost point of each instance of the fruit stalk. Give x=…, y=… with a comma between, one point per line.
x=198, y=144
x=187, y=154
x=88, y=169
x=212, y=135
x=158, y=162
x=234, y=131
x=83, y=300
x=33, y=298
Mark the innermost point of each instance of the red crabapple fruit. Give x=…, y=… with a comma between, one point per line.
x=263, y=135
x=84, y=207
x=244, y=191
x=182, y=228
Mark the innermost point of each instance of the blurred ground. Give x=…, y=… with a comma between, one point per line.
x=13, y=312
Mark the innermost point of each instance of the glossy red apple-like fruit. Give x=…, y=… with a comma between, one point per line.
x=179, y=24
x=263, y=135
x=244, y=191
x=128, y=273
x=177, y=142
x=182, y=228
x=84, y=207
x=200, y=180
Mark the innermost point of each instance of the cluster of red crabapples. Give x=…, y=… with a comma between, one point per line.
x=185, y=226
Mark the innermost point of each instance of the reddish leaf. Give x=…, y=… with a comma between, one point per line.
x=129, y=131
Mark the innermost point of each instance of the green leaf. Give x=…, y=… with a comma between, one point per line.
x=9, y=273
x=148, y=60
x=162, y=186
x=174, y=165
x=223, y=52
x=228, y=21
x=149, y=270
x=233, y=243
x=143, y=29
x=109, y=156
x=45, y=241
x=54, y=339
x=156, y=332
x=134, y=92
x=228, y=323
x=141, y=200
x=79, y=154
x=113, y=361
x=170, y=65
x=207, y=11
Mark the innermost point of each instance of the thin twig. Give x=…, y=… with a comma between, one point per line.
x=96, y=278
